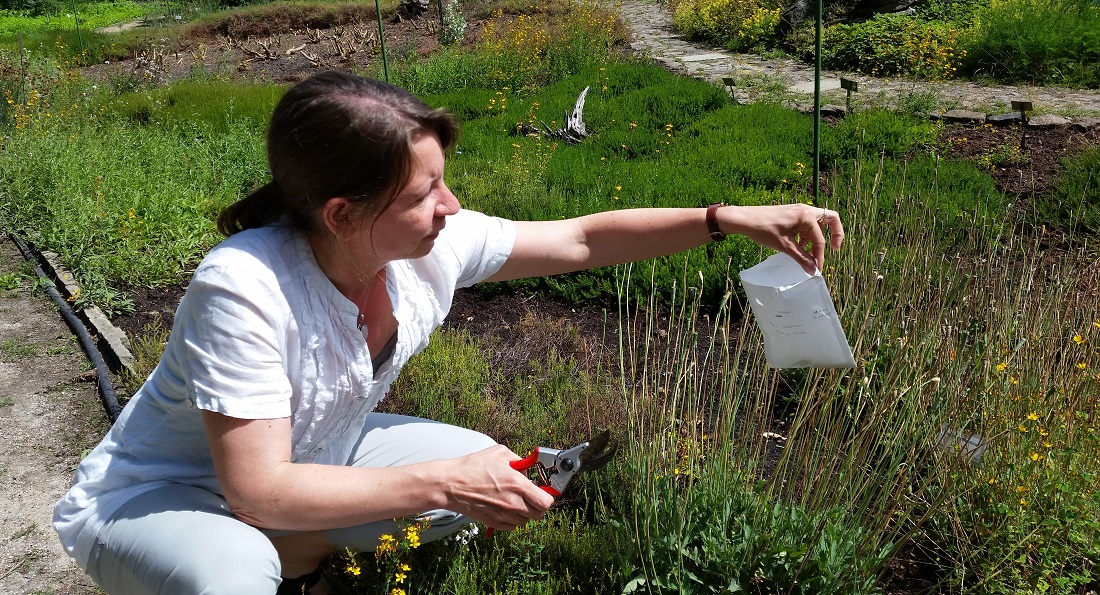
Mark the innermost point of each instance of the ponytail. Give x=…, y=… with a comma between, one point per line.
x=262, y=206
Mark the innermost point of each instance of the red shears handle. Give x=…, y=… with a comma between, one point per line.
x=523, y=465
x=530, y=461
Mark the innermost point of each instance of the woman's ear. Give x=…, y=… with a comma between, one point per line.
x=338, y=216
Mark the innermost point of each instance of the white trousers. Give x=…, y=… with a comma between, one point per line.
x=182, y=540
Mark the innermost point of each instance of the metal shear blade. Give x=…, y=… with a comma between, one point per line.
x=598, y=452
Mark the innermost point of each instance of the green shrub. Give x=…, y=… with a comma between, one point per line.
x=879, y=132
x=734, y=24
x=1074, y=204
x=894, y=44
x=1043, y=42
x=125, y=202
x=959, y=13
x=447, y=383
x=210, y=105
x=719, y=536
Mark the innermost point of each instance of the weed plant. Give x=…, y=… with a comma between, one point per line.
x=1043, y=42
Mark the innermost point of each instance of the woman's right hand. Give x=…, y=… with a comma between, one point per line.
x=484, y=487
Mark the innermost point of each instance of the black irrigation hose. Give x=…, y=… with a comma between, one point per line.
x=106, y=385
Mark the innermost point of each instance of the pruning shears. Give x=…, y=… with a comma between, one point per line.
x=552, y=469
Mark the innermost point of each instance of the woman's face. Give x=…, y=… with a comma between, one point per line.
x=409, y=227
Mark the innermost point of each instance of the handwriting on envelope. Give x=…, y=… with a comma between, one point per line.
x=796, y=316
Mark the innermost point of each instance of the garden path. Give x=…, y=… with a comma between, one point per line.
x=792, y=81
x=50, y=413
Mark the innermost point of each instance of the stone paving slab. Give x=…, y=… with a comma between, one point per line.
x=701, y=57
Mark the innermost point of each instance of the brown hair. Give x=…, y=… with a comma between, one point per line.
x=337, y=134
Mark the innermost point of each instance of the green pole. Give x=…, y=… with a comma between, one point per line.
x=382, y=40
x=76, y=21
x=817, y=111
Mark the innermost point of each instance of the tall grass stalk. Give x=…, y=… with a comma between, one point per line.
x=954, y=338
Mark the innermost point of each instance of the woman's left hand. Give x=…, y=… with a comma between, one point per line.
x=797, y=230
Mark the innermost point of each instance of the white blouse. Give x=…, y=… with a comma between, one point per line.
x=262, y=333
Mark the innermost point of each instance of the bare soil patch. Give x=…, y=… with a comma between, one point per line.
x=50, y=411
x=284, y=43
x=1023, y=162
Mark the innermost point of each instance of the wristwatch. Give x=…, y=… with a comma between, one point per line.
x=716, y=234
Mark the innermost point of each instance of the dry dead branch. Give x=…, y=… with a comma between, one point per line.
x=573, y=131
x=263, y=49
x=315, y=60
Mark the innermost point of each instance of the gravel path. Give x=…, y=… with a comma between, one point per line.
x=756, y=77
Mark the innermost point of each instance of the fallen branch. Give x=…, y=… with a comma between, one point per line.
x=572, y=132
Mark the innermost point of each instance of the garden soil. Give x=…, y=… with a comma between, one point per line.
x=48, y=398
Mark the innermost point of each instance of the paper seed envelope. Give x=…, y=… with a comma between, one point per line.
x=796, y=316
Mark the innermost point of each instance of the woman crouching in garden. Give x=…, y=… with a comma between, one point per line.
x=252, y=451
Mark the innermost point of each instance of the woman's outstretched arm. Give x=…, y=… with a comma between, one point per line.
x=617, y=237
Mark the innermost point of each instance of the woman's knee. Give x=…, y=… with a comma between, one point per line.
x=182, y=539
x=249, y=568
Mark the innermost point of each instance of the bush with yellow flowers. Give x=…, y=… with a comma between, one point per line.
x=894, y=44
x=735, y=24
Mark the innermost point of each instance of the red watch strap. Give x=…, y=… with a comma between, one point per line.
x=716, y=234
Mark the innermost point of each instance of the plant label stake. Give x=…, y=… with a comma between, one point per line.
x=1023, y=107
x=850, y=86
x=731, y=82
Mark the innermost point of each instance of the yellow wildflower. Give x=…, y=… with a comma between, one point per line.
x=412, y=534
x=386, y=544
x=1001, y=367
x=1033, y=416
x=1078, y=339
